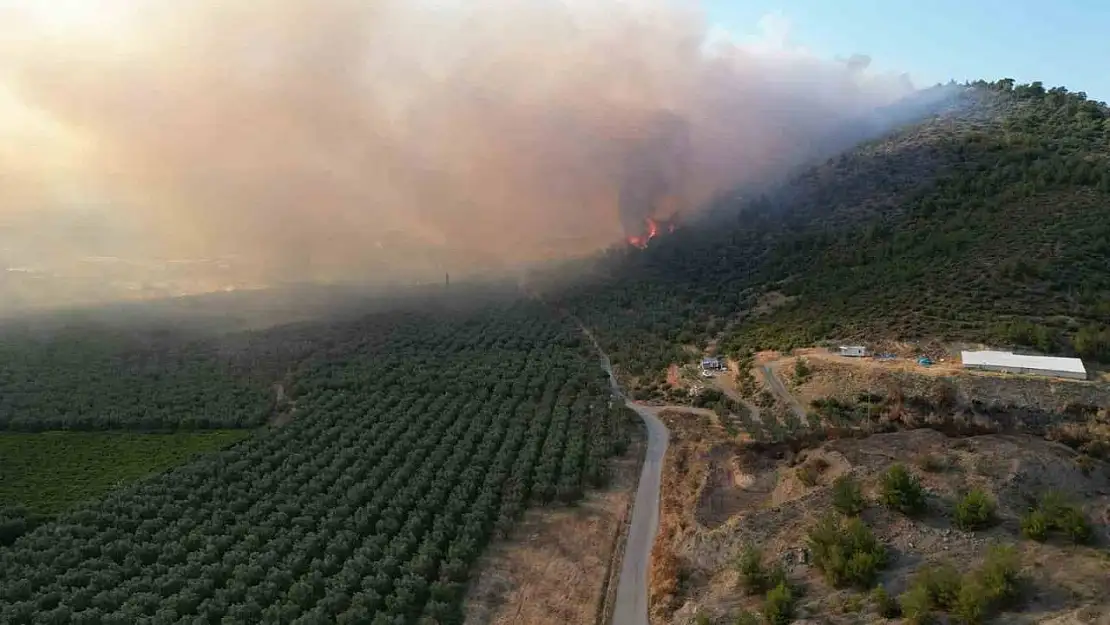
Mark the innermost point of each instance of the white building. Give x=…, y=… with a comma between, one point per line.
x=712, y=364
x=856, y=351
x=1016, y=363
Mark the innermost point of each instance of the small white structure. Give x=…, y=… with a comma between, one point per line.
x=855, y=351
x=1008, y=362
x=711, y=364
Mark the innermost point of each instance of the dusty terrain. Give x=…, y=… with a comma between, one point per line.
x=836, y=376
x=723, y=497
x=555, y=568
x=722, y=492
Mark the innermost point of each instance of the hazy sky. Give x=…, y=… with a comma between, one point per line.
x=308, y=139
x=345, y=138
x=1064, y=42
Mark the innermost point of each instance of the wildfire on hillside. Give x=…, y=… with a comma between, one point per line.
x=652, y=228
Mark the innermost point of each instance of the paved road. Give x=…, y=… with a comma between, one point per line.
x=631, y=604
x=777, y=388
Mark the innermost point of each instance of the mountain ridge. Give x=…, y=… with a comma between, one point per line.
x=989, y=222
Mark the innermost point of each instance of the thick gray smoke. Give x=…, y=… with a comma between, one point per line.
x=655, y=169
x=313, y=139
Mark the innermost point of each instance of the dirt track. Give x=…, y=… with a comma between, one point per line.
x=776, y=386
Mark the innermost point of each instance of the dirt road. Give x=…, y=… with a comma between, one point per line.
x=776, y=386
x=721, y=385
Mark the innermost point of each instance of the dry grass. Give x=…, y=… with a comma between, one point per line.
x=840, y=377
x=555, y=568
x=685, y=470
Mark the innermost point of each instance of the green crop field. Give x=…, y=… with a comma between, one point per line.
x=50, y=471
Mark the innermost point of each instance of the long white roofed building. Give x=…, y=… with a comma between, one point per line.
x=1054, y=366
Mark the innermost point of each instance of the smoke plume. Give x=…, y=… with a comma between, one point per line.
x=313, y=139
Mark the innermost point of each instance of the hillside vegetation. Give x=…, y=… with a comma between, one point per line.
x=990, y=221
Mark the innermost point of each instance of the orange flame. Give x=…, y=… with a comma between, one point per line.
x=652, y=230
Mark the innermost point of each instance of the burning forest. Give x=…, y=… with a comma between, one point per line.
x=315, y=141
x=652, y=228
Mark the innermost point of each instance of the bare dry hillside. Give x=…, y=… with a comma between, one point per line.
x=744, y=496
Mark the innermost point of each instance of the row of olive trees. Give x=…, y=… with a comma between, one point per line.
x=370, y=506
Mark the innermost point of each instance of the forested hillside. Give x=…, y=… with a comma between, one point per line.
x=988, y=221
x=414, y=438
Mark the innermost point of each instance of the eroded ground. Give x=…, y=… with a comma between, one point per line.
x=724, y=497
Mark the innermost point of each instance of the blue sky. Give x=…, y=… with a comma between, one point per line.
x=1059, y=42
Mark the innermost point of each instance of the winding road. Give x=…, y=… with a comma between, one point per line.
x=630, y=606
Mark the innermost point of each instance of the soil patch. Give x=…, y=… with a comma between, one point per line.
x=555, y=567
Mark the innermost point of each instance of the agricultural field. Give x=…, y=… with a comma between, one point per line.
x=410, y=448
x=96, y=381
x=48, y=472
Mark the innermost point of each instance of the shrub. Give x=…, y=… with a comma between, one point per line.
x=807, y=475
x=778, y=606
x=1071, y=522
x=994, y=586
x=1000, y=576
x=943, y=583
x=901, y=490
x=974, y=511
x=971, y=604
x=847, y=553
x=864, y=566
x=1034, y=526
x=702, y=618
x=752, y=576
x=847, y=497
x=801, y=370
x=885, y=605
x=747, y=618
x=971, y=598
x=932, y=588
x=916, y=605
x=1054, y=513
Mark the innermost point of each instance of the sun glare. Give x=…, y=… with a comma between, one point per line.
x=68, y=16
